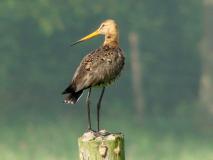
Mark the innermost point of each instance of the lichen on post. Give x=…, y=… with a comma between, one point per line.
x=101, y=146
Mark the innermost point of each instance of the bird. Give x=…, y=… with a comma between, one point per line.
x=98, y=68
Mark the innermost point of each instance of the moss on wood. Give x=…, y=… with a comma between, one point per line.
x=101, y=146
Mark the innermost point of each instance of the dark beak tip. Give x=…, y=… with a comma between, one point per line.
x=71, y=45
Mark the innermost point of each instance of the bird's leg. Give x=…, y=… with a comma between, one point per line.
x=99, y=107
x=88, y=110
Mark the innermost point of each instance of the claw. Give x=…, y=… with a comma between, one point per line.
x=68, y=102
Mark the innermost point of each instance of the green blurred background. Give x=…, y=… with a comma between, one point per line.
x=163, y=101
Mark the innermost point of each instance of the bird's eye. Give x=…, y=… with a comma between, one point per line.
x=102, y=25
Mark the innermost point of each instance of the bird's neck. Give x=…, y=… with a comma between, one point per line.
x=111, y=40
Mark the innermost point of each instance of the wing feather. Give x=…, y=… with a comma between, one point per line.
x=99, y=67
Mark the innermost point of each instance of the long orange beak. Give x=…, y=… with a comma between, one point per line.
x=93, y=34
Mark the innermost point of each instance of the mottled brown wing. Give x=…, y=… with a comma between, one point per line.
x=99, y=67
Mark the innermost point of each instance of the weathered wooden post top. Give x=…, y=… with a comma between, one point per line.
x=102, y=146
x=99, y=68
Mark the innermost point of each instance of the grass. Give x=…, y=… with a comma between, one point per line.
x=42, y=138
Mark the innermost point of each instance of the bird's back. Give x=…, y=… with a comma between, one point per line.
x=100, y=67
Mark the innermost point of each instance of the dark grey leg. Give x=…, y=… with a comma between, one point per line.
x=88, y=109
x=99, y=107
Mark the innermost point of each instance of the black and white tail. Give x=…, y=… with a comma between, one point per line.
x=72, y=96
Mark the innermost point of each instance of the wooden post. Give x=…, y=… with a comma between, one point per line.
x=206, y=86
x=136, y=74
x=101, y=146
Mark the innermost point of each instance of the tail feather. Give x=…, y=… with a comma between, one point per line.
x=72, y=96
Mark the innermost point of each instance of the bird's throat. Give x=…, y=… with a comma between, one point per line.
x=111, y=40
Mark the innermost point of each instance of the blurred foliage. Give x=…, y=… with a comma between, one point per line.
x=177, y=137
x=36, y=64
x=36, y=61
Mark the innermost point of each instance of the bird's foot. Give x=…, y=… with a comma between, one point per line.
x=99, y=133
x=102, y=132
x=89, y=129
x=68, y=101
